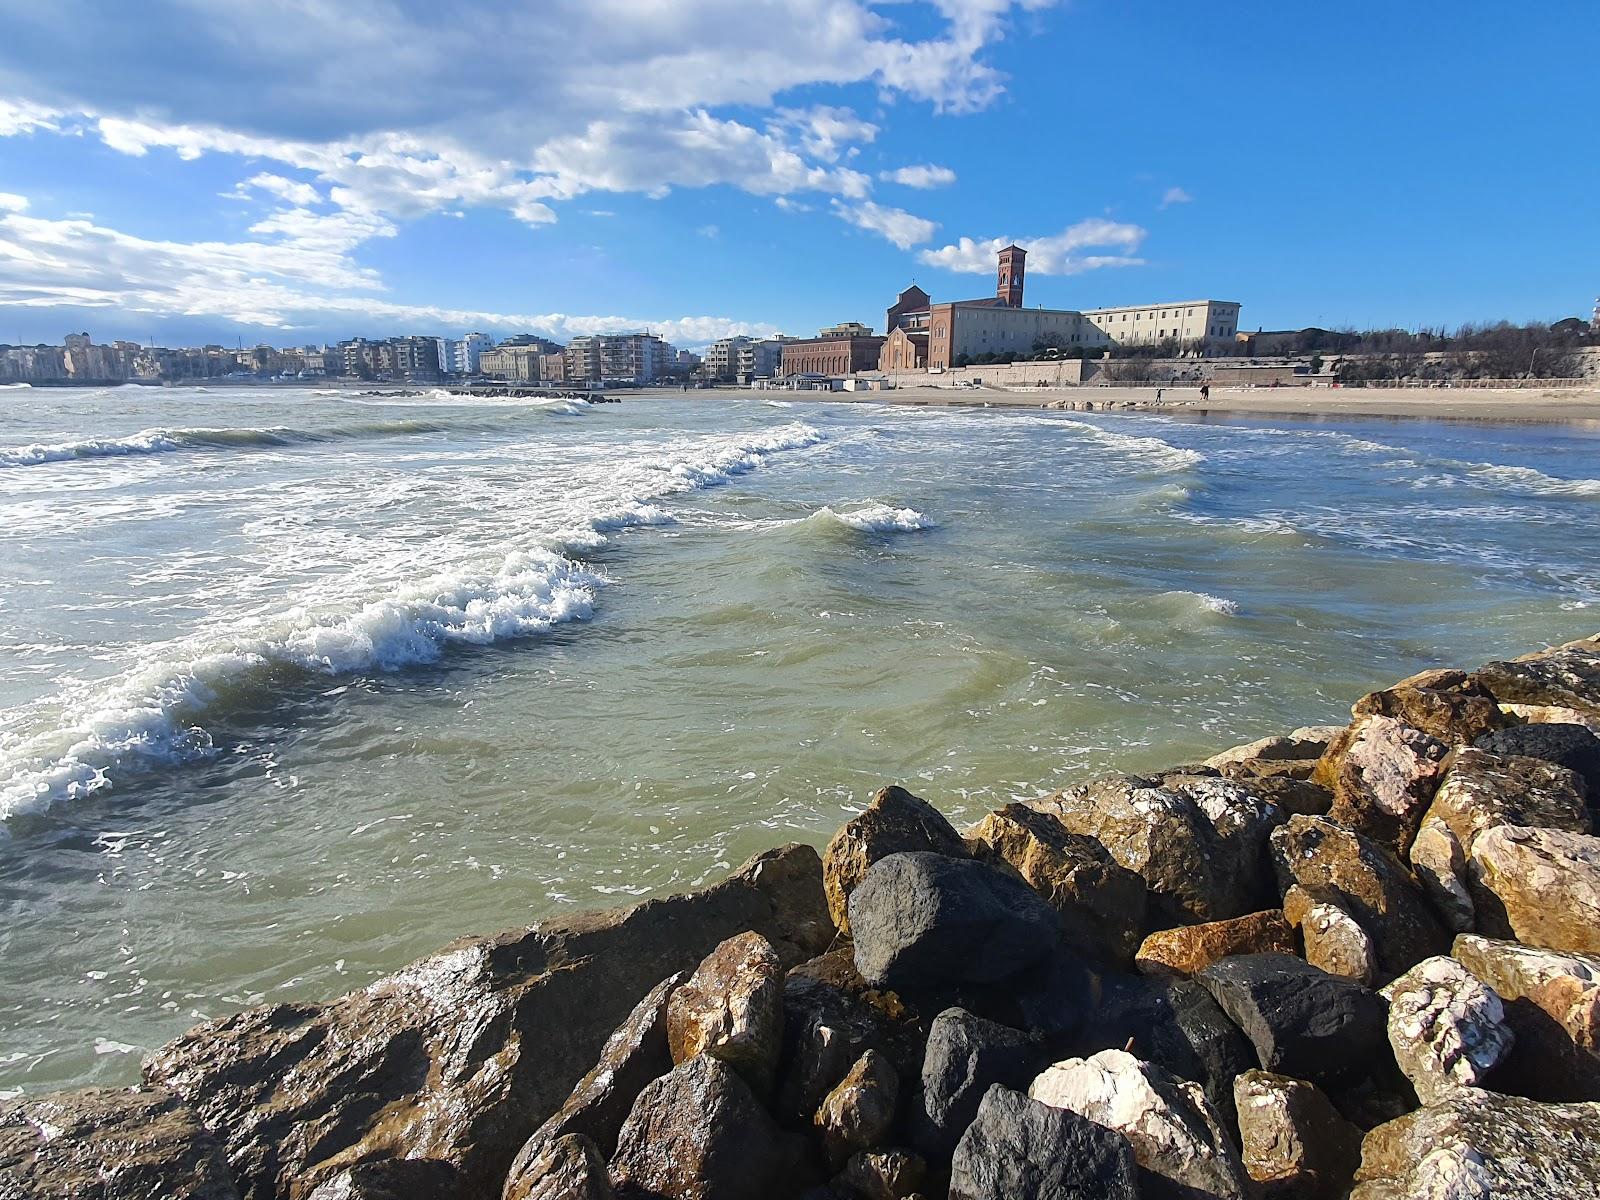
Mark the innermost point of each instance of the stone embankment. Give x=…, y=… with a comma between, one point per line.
x=1351, y=961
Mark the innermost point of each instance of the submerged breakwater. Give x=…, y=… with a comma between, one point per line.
x=296, y=687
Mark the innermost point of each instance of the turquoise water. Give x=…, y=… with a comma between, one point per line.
x=295, y=686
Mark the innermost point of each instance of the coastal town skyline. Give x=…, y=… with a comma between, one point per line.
x=695, y=179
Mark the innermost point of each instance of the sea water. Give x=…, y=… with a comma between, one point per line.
x=297, y=685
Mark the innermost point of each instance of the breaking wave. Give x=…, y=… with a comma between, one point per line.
x=169, y=441
x=157, y=712
x=1149, y=453
x=875, y=518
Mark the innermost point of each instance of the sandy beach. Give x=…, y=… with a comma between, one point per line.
x=1447, y=404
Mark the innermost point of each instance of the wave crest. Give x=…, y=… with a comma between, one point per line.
x=168, y=441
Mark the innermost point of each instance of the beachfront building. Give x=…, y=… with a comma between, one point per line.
x=721, y=359
x=842, y=349
x=620, y=358
x=1190, y=325
x=921, y=334
x=761, y=359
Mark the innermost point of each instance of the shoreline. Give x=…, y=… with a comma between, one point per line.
x=815, y=1025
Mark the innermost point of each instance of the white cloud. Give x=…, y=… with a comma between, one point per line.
x=1175, y=195
x=1056, y=255
x=822, y=131
x=792, y=206
x=292, y=190
x=11, y=202
x=899, y=226
x=20, y=116
x=925, y=176
x=709, y=231
x=284, y=285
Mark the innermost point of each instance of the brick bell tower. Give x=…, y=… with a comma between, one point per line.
x=1009, y=286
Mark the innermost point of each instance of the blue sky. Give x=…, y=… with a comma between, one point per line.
x=304, y=170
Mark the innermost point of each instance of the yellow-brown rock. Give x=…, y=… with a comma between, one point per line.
x=1183, y=951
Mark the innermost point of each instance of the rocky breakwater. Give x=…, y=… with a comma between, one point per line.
x=1352, y=961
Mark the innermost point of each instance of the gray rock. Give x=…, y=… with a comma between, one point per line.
x=1176, y=1135
x=1019, y=1149
x=1565, y=678
x=1446, y=1028
x=1477, y=1145
x=966, y=1055
x=1303, y=1022
x=1575, y=747
x=699, y=1133
x=109, y=1145
x=1295, y=1142
x=462, y=1055
x=922, y=920
x=896, y=822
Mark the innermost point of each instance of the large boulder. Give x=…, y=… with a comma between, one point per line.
x=569, y=1167
x=882, y=1175
x=858, y=1113
x=110, y=1144
x=633, y=1055
x=1331, y=939
x=1101, y=902
x=1197, y=843
x=1477, y=1145
x=1292, y=754
x=1540, y=886
x=1566, y=744
x=1177, y=1137
x=1565, y=678
x=1446, y=1028
x=462, y=1055
x=1295, y=1142
x=966, y=1055
x=1367, y=882
x=895, y=822
x=699, y=1133
x=423, y=1179
x=1552, y=1006
x=1019, y=1149
x=1443, y=703
x=1174, y=1024
x=1383, y=775
x=1180, y=952
x=732, y=1008
x=1303, y=1022
x=925, y=920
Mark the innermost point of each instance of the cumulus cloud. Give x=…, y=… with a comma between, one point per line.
x=20, y=116
x=925, y=176
x=293, y=191
x=1175, y=195
x=287, y=284
x=899, y=226
x=11, y=202
x=1060, y=254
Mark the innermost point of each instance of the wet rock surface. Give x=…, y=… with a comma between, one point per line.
x=858, y=1114
x=108, y=1144
x=1017, y=1147
x=731, y=1008
x=570, y=1167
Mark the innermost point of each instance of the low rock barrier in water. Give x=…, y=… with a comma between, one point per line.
x=1359, y=960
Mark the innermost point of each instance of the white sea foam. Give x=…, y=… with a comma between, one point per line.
x=157, y=711
x=875, y=518
x=1204, y=600
x=1150, y=453
x=167, y=441
x=14, y=386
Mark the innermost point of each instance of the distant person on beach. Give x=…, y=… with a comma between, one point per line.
x=1205, y=391
x=1158, y=395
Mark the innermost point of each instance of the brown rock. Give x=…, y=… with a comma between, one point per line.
x=883, y=1175
x=1294, y=755
x=111, y=1144
x=1562, y=678
x=1180, y=952
x=1541, y=886
x=392, y=1179
x=462, y=1055
x=699, y=1133
x=1551, y=714
x=895, y=822
x=1478, y=1144
x=1440, y=866
x=1367, y=882
x=1332, y=940
x=632, y=1056
x=858, y=1114
x=1457, y=717
x=1294, y=1140
x=569, y=1167
x=1384, y=778
x=1102, y=904
x=732, y=1008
